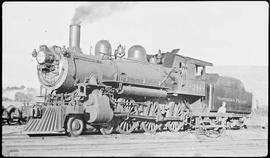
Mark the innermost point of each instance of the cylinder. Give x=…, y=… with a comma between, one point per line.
x=146, y=92
x=74, y=36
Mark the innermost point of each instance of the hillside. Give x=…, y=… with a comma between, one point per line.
x=9, y=93
x=254, y=78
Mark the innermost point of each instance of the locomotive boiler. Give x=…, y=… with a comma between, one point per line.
x=164, y=91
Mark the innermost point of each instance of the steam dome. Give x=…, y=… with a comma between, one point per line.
x=137, y=52
x=103, y=49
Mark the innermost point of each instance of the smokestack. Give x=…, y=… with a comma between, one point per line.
x=74, y=36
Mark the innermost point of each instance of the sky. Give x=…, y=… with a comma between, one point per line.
x=223, y=33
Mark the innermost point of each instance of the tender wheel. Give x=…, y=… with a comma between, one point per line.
x=75, y=126
x=106, y=130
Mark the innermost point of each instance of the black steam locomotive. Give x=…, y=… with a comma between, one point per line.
x=165, y=91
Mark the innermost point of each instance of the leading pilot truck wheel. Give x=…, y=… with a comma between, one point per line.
x=75, y=126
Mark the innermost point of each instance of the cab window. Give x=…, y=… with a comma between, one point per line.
x=199, y=70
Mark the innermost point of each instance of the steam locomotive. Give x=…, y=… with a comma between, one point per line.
x=14, y=112
x=13, y=115
x=164, y=91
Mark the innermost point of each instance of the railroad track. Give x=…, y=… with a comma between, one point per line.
x=233, y=143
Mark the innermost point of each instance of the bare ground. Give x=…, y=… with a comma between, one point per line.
x=245, y=142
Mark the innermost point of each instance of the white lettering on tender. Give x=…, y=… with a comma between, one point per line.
x=232, y=100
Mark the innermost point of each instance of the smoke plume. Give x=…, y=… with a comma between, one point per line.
x=97, y=10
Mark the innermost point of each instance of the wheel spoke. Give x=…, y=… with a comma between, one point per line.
x=126, y=127
x=175, y=126
x=150, y=110
x=149, y=127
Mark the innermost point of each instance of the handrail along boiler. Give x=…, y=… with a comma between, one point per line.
x=165, y=91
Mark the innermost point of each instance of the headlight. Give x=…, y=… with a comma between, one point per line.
x=41, y=57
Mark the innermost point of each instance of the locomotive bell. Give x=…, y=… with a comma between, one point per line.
x=103, y=49
x=137, y=52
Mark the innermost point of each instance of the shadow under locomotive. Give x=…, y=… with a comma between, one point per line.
x=165, y=91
